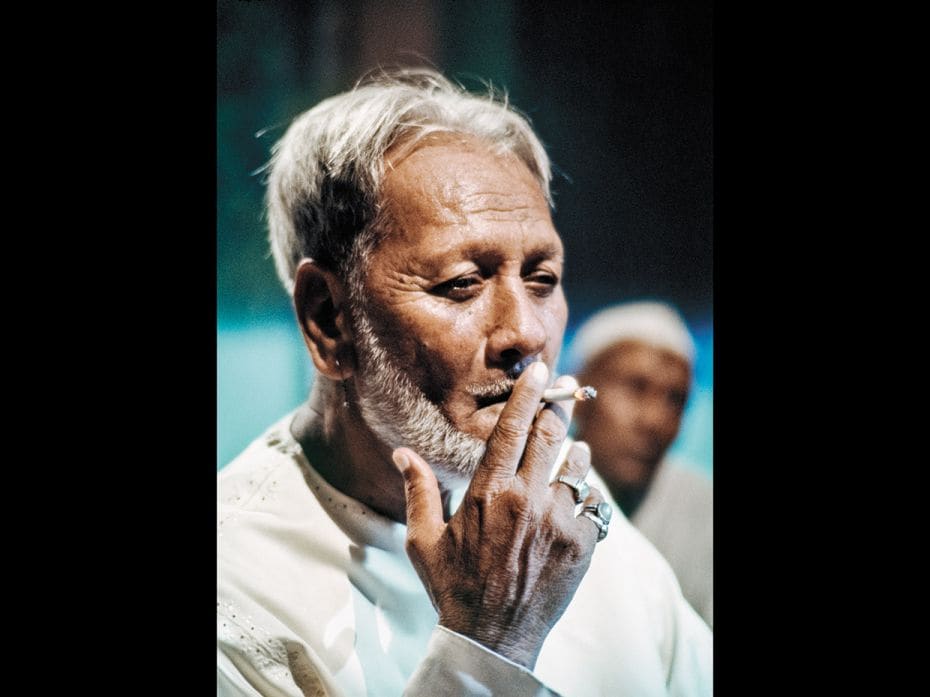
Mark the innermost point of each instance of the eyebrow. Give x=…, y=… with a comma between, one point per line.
x=543, y=252
x=435, y=262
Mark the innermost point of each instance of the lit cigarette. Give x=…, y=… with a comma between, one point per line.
x=559, y=394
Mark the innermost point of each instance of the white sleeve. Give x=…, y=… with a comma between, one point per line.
x=241, y=679
x=229, y=681
x=456, y=666
x=692, y=670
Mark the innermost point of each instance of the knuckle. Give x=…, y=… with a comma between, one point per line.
x=549, y=434
x=575, y=549
x=577, y=467
x=571, y=545
x=518, y=507
x=550, y=429
x=480, y=500
x=580, y=456
x=415, y=546
x=413, y=486
x=412, y=545
x=511, y=427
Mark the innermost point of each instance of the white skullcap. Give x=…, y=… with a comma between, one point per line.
x=653, y=323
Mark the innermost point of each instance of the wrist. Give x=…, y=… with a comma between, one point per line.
x=515, y=644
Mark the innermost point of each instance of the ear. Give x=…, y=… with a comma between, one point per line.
x=320, y=303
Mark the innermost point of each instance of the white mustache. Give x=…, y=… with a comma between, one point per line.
x=494, y=389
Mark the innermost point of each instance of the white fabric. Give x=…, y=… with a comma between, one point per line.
x=316, y=596
x=652, y=323
x=677, y=516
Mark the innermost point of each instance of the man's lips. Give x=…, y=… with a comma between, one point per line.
x=646, y=448
x=493, y=392
x=501, y=389
x=517, y=368
x=484, y=401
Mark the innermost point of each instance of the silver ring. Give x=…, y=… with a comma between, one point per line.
x=579, y=485
x=600, y=514
x=598, y=521
x=602, y=510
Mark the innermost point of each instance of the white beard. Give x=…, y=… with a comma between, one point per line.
x=401, y=415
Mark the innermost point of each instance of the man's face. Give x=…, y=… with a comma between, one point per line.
x=641, y=395
x=461, y=295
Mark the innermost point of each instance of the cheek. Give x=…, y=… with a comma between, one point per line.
x=555, y=312
x=666, y=429
x=616, y=406
x=611, y=420
x=553, y=315
x=674, y=423
x=442, y=352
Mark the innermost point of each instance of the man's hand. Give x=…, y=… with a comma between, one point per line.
x=507, y=563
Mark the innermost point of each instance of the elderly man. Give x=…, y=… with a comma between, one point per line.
x=421, y=525
x=640, y=355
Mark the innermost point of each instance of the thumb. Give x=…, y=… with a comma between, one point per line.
x=424, y=503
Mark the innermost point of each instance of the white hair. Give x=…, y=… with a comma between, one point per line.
x=401, y=414
x=326, y=171
x=655, y=323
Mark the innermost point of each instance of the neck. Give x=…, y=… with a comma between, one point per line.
x=629, y=497
x=347, y=454
x=628, y=479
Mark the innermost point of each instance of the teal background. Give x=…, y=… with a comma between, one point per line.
x=620, y=93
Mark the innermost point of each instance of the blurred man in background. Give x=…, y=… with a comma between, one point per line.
x=640, y=357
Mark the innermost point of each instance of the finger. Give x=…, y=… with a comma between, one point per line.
x=577, y=464
x=424, y=503
x=592, y=517
x=546, y=437
x=508, y=439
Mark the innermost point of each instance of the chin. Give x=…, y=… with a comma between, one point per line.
x=642, y=472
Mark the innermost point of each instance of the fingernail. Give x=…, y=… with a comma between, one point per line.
x=584, y=446
x=400, y=460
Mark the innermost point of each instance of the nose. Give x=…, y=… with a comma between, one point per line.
x=655, y=416
x=517, y=332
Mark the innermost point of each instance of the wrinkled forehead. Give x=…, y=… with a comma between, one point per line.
x=455, y=170
x=452, y=188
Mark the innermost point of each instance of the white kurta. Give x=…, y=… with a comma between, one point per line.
x=316, y=596
x=677, y=516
